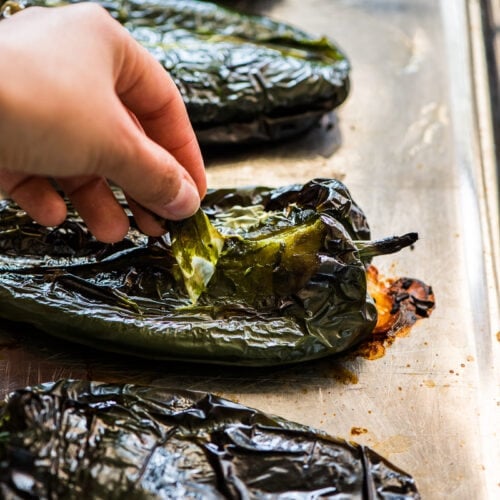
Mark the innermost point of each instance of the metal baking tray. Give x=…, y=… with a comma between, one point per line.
x=415, y=143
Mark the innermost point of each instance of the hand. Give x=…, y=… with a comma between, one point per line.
x=82, y=103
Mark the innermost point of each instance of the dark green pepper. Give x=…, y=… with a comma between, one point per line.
x=287, y=282
x=243, y=78
x=76, y=439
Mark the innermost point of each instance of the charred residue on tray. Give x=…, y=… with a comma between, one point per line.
x=400, y=303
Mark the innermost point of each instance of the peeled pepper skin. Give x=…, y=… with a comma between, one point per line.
x=76, y=439
x=243, y=78
x=128, y=297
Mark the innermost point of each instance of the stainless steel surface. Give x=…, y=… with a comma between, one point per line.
x=414, y=143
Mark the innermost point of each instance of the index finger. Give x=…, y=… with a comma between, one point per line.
x=147, y=90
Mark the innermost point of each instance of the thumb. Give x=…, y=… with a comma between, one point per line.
x=172, y=175
x=154, y=179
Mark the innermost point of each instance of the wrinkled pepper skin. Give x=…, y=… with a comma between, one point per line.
x=243, y=78
x=126, y=298
x=77, y=439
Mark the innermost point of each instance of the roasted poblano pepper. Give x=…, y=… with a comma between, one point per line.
x=282, y=270
x=75, y=439
x=242, y=77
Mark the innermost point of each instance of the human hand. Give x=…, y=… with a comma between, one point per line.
x=81, y=103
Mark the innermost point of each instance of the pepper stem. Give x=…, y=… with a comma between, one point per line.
x=369, y=249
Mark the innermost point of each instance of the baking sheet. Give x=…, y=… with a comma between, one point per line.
x=414, y=143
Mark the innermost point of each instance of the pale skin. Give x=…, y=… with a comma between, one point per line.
x=84, y=105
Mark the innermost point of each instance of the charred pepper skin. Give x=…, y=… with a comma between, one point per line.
x=243, y=78
x=277, y=296
x=72, y=439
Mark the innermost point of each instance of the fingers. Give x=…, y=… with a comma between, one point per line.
x=147, y=90
x=147, y=221
x=36, y=196
x=95, y=202
x=90, y=196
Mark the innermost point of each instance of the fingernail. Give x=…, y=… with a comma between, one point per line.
x=185, y=204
